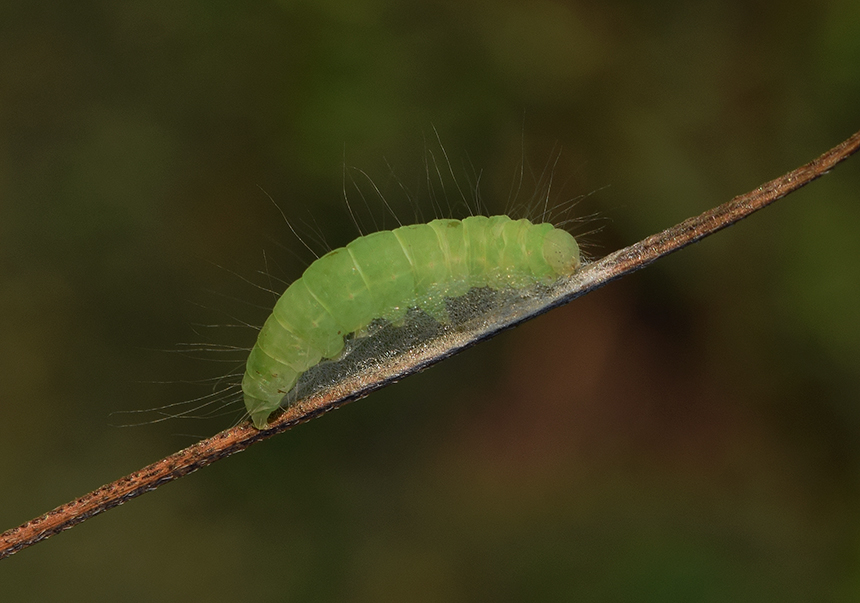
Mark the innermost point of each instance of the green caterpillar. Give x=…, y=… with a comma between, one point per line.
x=382, y=276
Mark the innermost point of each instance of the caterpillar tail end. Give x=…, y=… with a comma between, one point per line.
x=561, y=252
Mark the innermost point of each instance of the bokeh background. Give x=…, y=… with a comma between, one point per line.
x=690, y=433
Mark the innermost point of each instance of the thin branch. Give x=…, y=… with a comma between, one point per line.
x=591, y=277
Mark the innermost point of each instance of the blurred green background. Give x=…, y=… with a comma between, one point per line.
x=690, y=433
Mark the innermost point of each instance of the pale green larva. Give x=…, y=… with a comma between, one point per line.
x=382, y=276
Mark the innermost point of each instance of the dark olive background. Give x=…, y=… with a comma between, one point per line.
x=690, y=433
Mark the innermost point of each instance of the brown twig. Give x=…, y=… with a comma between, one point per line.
x=594, y=275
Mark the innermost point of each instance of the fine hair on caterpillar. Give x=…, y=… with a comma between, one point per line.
x=392, y=288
